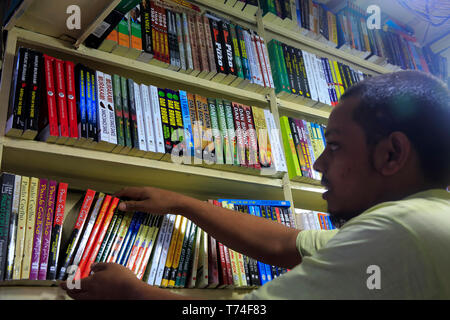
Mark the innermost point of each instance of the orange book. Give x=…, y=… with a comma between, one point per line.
x=101, y=234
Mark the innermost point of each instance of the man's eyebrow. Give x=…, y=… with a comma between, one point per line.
x=331, y=132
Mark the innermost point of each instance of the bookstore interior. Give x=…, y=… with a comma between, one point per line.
x=226, y=101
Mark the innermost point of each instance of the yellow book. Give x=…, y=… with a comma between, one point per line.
x=238, y=268
x=150, y=237
x=137, y=243
x=21, y=225
x=171, y=252
x=265, y=150
x=202, y=266
x=335, y=82
x=141, y=240
x=339, y=78
x=29, y=231
x=176, y=259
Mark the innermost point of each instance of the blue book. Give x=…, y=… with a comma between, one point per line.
x=80, y=74
x=89, y=106
x=267, y=267
x=275, y=203
x=261, y=266
x=94, y=92
x=127, y=238
x=134, y=232
x=187, y=122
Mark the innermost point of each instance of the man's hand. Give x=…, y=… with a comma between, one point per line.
x=110, y=281
x=149, y=199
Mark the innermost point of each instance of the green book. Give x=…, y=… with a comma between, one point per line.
x=117, y=91
x=218, y=142
x=189, y=255
x=222, y=121
x=111, y=238
x=231, y=132
x=289, y=149
x=126, y=112
x=107, y=236
x=283, y=68
x=277, y=70
x=237, y=54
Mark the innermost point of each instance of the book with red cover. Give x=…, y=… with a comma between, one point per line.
x=224, y=279
x=240, y=134
x=101, y=234
x=57, y=230
x=76, y=233
x=93, y=235
x=48, y=120
x=47, y=230
x=61, y=101
x=71, y=101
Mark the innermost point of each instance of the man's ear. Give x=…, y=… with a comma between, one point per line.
x=391, y=153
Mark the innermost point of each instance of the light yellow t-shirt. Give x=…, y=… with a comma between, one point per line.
x=394, y=250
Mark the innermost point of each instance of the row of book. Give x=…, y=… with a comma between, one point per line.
x=304, y=142
x=313, y=220
x=182, y=39
x=303, y=75
x=57, y=101
x=166, y=251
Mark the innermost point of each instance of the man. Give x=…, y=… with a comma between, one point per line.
x=385, y=166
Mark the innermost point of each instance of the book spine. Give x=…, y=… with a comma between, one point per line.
x=177, y=253
x=252, y=138
x=29, y=233
x=139, y=240
x=196, y=151
x=80, y=75
x=187, y=42
x=51, y=97
x=12, y=234
x=118, y=108
x=216, y=36
x=304, y=146
x=209, y=44
x=207, y=137
x=228, y=48
x=19, y=92
x=133, y=118
x=37, y=240
x=264, y=147
x=76, y=233
x=203, y=50
x=192, y=275
x=189, y=256
x=260, y=58
x=5, y=217
x=188, y=134
x=61, y=98
x=34, y=97
x=236, y=52
x=112, y=130
x=57, y=230
x=103, y=124
x=178, y=118
x=139, y=117
x=146, y=27
x=243, y=53
x=158, y=249
x=113, y=255
x=240, y=128
x=164, y=110
x=109, y=237
x=245, y=136
x=164, y=251
x=156, y=116
x=71, y=102
x=171, y=251
x=289, y=147
x=266, y=61
x=232, y=133
x=21, y=224
x=47, y=230
x=126, y=113
x=147, y=116
x=218, y=142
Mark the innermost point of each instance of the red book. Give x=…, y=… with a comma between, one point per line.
x=225, y=270
x=71, y=102
x=61, y=100
x=252, y=138
x=165, y=39
x=100, y=236
x=92, y=236
x=240, y=134
x=155, y=31
x=51, y=99
x=244, y=129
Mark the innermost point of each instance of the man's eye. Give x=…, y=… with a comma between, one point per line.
x=332, y=146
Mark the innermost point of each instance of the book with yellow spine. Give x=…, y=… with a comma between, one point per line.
x=21, y=227
x=233, y=256
x=171, y=252
x=289, y=148
x=152, y=233
x=143, y=228
x=202, y=266
x=239, y=261
x=176, y=259
x=338, y=78
x=119, y=238
x=29, y=231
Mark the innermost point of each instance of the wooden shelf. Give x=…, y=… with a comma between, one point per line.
x=307, y=196
x=247, y=15
x=49, y=17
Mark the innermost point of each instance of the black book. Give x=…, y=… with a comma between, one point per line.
x=227, y=48
x=95, y=39
x=15, y=123
x=35, y=81
x=146, y=27
x=292, y=80
x=6, y=197
x=80, y=81
x=133, y=119
x=301, y=61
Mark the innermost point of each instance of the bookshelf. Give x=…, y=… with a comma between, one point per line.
x=33, y=26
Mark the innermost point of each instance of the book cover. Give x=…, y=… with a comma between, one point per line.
x=80, y=75
x=69, y=67
x=6, y=200
x=47, y=230
x=289, y=147
x=188, y=134
x=147, y=118
x=58, y=221
x=151, y=274
x=29, y=233
x=109, y=236
x=102, y=105
x=119, y=238
x=252, y=138
x=61, y=101
x=15, y=123
x=37, y=238
x=13, y=222
x=157, y=124
x=139, y=118
x=118, y=110
x=34, y=97
x=21, y=227
x=164, y=251
x=112, y=130
x=75, y=235
x=126, y=115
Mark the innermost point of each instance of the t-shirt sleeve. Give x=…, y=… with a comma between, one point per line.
x=367, y=260
x=309, y=241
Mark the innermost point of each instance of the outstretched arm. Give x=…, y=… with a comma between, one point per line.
x=237, y=231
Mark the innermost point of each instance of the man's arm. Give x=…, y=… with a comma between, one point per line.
x=241, y=232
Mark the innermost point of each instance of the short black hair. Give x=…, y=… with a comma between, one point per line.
x=415, y=103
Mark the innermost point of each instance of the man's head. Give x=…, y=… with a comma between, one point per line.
x=389, y=137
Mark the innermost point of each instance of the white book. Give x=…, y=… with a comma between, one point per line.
x=165, y=249
x=187, y=43
x=262, y=65
x=158, y=249
x=180, y=41
x=157, y=125
x=139, y=117
x=267, y=62
x=254, y=71
x=13, y=228
x=310, y=75
x=148, y=119
x=111, y=109
x=323, y=80
x=102, y=111
x=302, y=219
x=277, y=138
x=276, y=157
x=317, y=220
x=306, y=134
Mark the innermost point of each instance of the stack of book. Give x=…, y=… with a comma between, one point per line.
x=57, y=101
x=303, y=141
x=162, y=250
x=182, y=39
x=304, y=77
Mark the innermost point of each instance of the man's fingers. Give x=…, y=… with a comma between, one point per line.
x=132, y=206
x=134, y=193
x=96, y=267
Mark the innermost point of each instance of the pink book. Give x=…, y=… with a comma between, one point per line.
x=47, y=230
x=40, y=216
